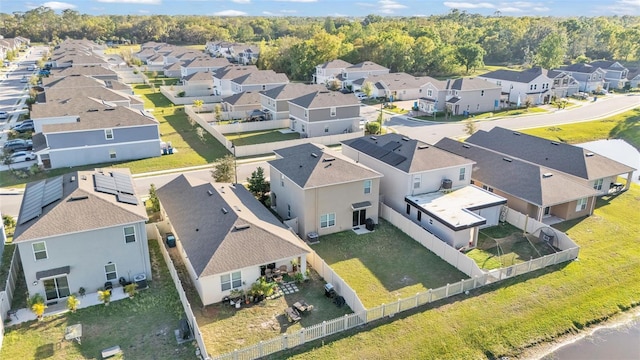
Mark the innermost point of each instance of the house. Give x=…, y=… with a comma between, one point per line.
x=429, y=185
x=202, y=80
x=563, y=84
x=246, y=54
x=590, y=78
x=595, y=171
x=615, y=74
x=360, y=71
x=519, y=86
x=222, y=78
x=75, y=59
x=83, y=81
x=66, y=90
x=394, y=86
x=329, y=71
x=103, y=132
x=227, y=238
x=275, y=101
x=472, y=96
x=220, y=48
x=94, y=71
x=240, y=106
x=534, y=190
x=433, y=96
x=81, y=230
x=173, y=70
x=258, y=80
x=634, y=78
x=322, y=191
x=202, y=64
x=322, y=113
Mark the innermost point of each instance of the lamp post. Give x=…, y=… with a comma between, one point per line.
x=509, y=98
x=235, y=163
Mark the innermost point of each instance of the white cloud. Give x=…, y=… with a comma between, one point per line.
x=363, y=4
x=141, y=2
x=337, y=15
x=468, y=5
x=389, y=6
x=269, y=13
x=298, y=1
x=143, y=11
x=57, y=5
x=241, y=1
x=288, y=11
x=541, y=8
x=230, y=13
x=281, y=13
x=510, y=9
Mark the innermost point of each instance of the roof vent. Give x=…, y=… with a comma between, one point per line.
x=76, y=198
x=224, y=211
x=314, y=155
x=516, y=133
x=92, y=110
x=404, y=138
x=73, y=179
x=589, y=154
x=328, y=159
x=209, y=192
x=506, y=159
x=466, y=146
x=547, y=175
x=422, y=147
x=242, y=226
x=83, y=177
x=374, y=138
x=554, y=143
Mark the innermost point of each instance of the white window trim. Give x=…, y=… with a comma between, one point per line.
x=231, y=281
x=46, y=253
x=367, y=186
x=332, y=111
x=115, y=272
x=328, y=220
x=106, y=134
x=113, y=154
x=417, y=182
x=125, y=234
x=462, y=174
x=581, y=205
x=597, y=185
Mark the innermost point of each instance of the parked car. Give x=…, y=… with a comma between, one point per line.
x=24, y=80
x=361, y=95
x=20, y=156
x=44, y=72
x=171, y=240
x=4, y=115
x=18, y=145
x=32, y=67
x=24, y=127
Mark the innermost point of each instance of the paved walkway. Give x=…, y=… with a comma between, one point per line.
x=24, y=315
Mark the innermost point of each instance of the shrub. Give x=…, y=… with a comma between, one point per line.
x=181, y=94
x=104, y=296
x=373, y=128
x=130, y=289
x=72, y=303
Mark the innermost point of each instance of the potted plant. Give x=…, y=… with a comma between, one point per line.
x=82, y=291
x=36, y=304
x=104, y=296
x=294, y=265
x=130, y=289
x=72, y=303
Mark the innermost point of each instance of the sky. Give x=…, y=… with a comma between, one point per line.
x=335, y=8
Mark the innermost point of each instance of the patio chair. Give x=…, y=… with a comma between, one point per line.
x=283, y=269
x=292, y=314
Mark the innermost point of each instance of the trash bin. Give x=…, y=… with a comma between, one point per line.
x=329, y=291
x=170, y=150
x=368, y=224
x=164, y=151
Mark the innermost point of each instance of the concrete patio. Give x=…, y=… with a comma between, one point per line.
x=24, y=315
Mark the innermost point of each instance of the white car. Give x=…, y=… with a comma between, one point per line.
x=361, y=95
x=20, y=156
x=24, y=80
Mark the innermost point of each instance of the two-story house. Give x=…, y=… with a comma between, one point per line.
x=202, y=64
x=615, y=74
x=428, y=185
x=472, y=95
x=322, y=190
x=396, y=86
x=241, y=105
x=563, y=84
x=222, y=78
x=590, y=78
x=81, y=230
x=322, y=113
x=329, y=71
x=520, y=86
x=360, y=71
x=275, y=101
x=258, y=81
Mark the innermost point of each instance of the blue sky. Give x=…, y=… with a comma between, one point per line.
x=332, y=7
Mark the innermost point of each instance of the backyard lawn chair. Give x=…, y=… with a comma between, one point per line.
x=292, y=314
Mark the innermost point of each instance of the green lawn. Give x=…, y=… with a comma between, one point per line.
x=384, y=265
x=440, y=117
x=5, y=262
x=120, y=48
x=142, y=326
x=624, y=126
x=508, y=317
x=260, y=137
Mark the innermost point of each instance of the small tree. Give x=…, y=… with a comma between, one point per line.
x=334, y=85
x=218, y=112
x=37, y=306
x=8, y=221
x=367, y=88
x=258, y=185
x=200, y=133
x=153, y=198
x=224, y=169
x=154, y=74
x=198, y=105
x=72, y=303
x=528, y=102
x=373, y=127
x=104, y=296
x=131, y=289
x=470, y=128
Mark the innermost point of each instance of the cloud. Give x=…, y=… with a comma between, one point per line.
x=298, y=1
x=140, y=2
x=57, y=5
x=337, y=15
x=363, y=4
x=230, y=13
x=541, y=8
x=280, y=13
x=288, y=11
x=468, y=5
x=510, y=9
x=241, y=1
x=389, y=6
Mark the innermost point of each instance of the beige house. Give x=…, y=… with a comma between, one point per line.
x=322, y=113
x=320, y=191
x=275, y=102
x=226, y=237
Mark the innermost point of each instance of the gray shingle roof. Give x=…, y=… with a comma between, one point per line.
x=291, y=91
x=365, y=66
x=325, y=99
x=243, y=98
x=217, y=242
x=233, y=71
x=299, y=164
x=261, y=77
x=90, y=70
x=518, y=178
x=335, y=64
x=556, y=155
x=199, y=76
x=524, y=76
x=580, y=68
x=405, y=154
x=74, y=213
x=468, y=84
x=206, y=62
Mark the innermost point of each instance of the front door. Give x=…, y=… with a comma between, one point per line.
x=547, y=211
x=359, y=217
x=56, y=288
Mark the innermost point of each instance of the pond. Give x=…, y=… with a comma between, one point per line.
x=618, y=150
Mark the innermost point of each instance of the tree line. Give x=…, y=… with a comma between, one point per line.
x=436, y=45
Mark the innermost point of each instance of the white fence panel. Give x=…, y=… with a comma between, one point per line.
x=253, y=126
x=314, y=332
x=439, y=293
x=408, y=304
x=375, y=313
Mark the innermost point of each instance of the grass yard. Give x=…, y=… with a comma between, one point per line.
x=509, y=317
x=384, y=265
x=142, y=326
x=260, y=137
x=225, y=328
x=624, y=126
x=118, y=49
x=5, y=262
x=440, y=117
x=505, y=245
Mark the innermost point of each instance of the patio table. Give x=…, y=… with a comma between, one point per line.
x=73, y=332
x=302, y=306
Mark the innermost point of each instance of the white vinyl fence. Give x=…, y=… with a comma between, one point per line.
x=153, y=232
x=6, y=296
x=330, y=276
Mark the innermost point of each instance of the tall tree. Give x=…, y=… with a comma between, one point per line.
x=551, y=51
x=470, y=56
x=224, y=169
x=258, y=185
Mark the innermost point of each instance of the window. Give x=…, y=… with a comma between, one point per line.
x=282, y=180
x=306, y=114
x=110, y=272
x=419, y=215
x=112, y=154
x=582, y=204
x=264, y=87
x=417, y=180
x=408, y=209
x=498, y=82
x=481, y=92
x=326, y=128
x=484, y=187
x=367, y=186
x=108, y=134
x=472, y=182
x=39, y=250
x=490, y=189
x=129, y=234
x=598, y=184
x=456, y=92
x=327, y=220
x=429, y=92
x=231, y=281
x=289, y=211
x=302, y=128
x=461, y=176
x=333, y=111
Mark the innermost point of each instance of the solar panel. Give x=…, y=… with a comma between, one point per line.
x=127, y=199
x=392, y=145
x=105, y=184
x=123, y=183
x=32, y=202
x=393, y=159
x=52, y=191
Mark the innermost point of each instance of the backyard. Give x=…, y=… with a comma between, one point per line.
x=260, y=137
x=505, y=245
x=384, y=265
x=143, y=327
x=225, y=328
